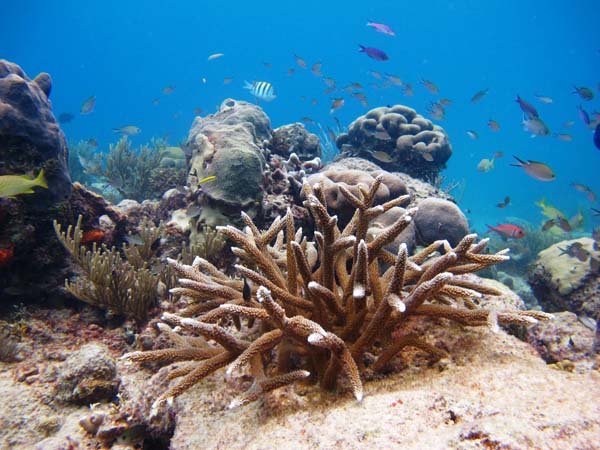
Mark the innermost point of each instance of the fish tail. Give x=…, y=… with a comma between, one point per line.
x=490, y=228
x=40, y=180
x=247, y=85
x=521, y=162
x=362, y=48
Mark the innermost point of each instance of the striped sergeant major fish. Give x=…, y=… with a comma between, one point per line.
x=262, y=90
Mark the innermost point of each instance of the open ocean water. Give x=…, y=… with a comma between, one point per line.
x=127, y=53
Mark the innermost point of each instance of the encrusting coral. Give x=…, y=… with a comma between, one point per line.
x=327, y=318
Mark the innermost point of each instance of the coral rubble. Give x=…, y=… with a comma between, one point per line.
x=330, y=311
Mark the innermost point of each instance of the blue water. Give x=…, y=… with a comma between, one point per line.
x=125, y=53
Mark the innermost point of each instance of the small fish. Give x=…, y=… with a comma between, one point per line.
x=134, y=239
x=583, y=115
x=92, y=236
x=92, y=142
x=316, y=69
x=314, y=102
x=584, y=92
x=300, y=61
x=193, y=211
x=498, y=154
x=155, y=101
x=596, y=234
x=548, y=210
x=13, y=185
x=204, y=80
x=168, y=89
x=198, y=111
x=472, y=134
x=430, y=86
x=374, y=53
x=262, y=90
x=479, y=95
x=445, y=101
x=6, y=255
x=227, y=80
x=215, y=56
x=65, y=117
x=507, y=230
x=382, y=156
x=494, y=126
x=246, y=291
x=597, y=137
x=381, y=28
x=536, y=127
x=575, y=250
x=564, y=137
x=596, y=212
x=336, y=104
x=382, y=135
x=268, y=65
x=586, y=190
x=375, y=74
x=207, y=179
x=568, y=123
x=88, y=105
x=437, y=111
x=291, y=72
x=128, y=130
x=527, y=108
x=535, y=169
x=408, y=90
x=307, y=120
x=330, y=82
x=505, y=203
x=329, y=90
x=394, y=79
x=485, y=165
x=154, y=246
x=548, y=224
x=544, y=99
x=356, y=85
x=331, y=134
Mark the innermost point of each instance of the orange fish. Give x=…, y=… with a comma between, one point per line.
x=6, y=255
x=493, y=125
x=92, y=236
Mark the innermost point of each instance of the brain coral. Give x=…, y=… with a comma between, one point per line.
x=398, y=139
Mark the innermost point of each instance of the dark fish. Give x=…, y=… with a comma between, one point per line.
x=505, y=203
x=336, y=104
x=596, y=212
x=479, y=95
x=65, y=117
x=494, y=126
x=548, y=224
x=575, y=250
x=375, y=53
x=154, y=246
x=584, y=92
x=88, y=105
x=430, y=86
x=563, y=224
x=583, y=115
x=527, y=108
x=597, y=137
x=247, y=291
x=535, y=169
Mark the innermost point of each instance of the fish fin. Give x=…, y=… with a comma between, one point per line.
x=247, y=85
x=40, y=180
x=490, y=228
x=522, y=163
x=362, y=48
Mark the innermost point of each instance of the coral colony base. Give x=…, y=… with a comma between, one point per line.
x=329, y=310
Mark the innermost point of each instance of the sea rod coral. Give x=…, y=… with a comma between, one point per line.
x=329, y=317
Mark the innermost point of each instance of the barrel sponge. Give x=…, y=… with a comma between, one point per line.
x=413, y=143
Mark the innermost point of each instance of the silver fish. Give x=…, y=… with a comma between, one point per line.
x=262, y=90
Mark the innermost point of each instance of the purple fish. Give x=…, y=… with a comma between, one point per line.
x=382, y=28
x=527, y=108
x=583, y=115
x=374, y=53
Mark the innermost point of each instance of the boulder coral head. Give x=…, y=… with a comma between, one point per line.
x=398, y=139
x=327, y=311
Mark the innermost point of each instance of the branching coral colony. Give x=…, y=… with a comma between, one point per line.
x=320, y=318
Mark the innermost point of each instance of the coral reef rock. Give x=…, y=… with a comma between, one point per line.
x=88, y=376
x=228, y=145
x=566, y=283
x=30, y=137
x=294, y=138
x=398, y=139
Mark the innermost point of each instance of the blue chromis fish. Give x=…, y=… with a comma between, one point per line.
x=262, y=90
x=375, y=53
x=13, y=185
x=535, y=169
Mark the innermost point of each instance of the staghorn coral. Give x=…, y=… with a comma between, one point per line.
x=329, y=321
x=108, y=281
